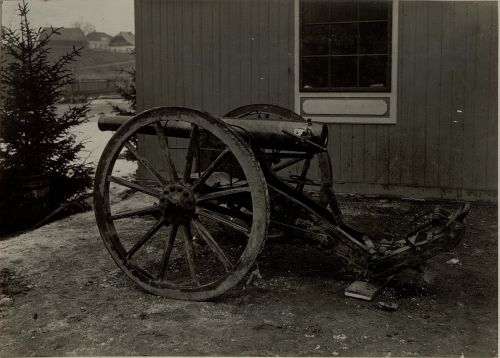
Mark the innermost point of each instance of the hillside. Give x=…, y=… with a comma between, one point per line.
x=98, y=65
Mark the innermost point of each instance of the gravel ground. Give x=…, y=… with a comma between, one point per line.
x=61, y=294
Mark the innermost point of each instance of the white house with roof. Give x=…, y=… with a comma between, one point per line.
x=123, y=42
x=99, y=41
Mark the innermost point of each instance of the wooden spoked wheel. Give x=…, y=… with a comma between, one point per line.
x=287, y=212
x=175, y=235
x=273, y=112
x=264, y=111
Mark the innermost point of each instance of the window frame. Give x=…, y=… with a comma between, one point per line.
x=358, y=55
x=345, y=103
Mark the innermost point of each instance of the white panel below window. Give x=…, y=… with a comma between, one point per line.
x=345, y=106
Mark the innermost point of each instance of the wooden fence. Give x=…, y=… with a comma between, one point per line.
x=94, y=87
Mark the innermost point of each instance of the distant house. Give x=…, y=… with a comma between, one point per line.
x=123, y=42
x=67, y=38
x=99, y=41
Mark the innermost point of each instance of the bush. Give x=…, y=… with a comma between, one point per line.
x=127, y=91
x=34, y=139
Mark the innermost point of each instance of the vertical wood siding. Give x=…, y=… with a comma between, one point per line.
x=446, y=131
x=216, y=55
x=212, y=55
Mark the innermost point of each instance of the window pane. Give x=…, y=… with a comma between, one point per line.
x=374, y=10
x=374, y=37
x=345, y=45
x=344, y=10
x=314, y=11
x=344, y=71
x=344, y=39
x=374, y=71
x=315, y=40
x=314, y=72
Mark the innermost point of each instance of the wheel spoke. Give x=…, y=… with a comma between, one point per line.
x=145, y=238
x=169, y=243
x=135, y=186
x=193, y=142
x=146, y=163
x=135, y=212
x=211, y=168
x=303, y=175
x=237, y=185
x=223, y=219
x=188, y=243
x=205, y=234
x=218, y=194
x=162, y=140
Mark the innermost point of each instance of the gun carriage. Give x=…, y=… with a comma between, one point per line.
x=205, y=214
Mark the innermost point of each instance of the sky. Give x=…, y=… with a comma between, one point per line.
x=110, y=16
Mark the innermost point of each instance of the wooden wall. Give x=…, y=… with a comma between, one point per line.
x=445, y=140
x=216, y=55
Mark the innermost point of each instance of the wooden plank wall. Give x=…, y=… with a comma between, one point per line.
x=446, y=132
x=216, y=55
x=213, y=55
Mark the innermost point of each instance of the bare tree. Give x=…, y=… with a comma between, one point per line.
x=86, y=27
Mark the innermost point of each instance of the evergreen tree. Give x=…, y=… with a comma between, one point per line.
x=34, y=139
x=127, y=91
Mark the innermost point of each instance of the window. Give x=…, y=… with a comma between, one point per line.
x=345, y=46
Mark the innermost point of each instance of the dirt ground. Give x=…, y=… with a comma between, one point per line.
x=69, y=298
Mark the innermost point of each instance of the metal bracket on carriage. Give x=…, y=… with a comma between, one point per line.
x=304, y=135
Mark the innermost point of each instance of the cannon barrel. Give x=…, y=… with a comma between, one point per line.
x=265, y=134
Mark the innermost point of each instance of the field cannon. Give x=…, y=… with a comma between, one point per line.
x=197, y=223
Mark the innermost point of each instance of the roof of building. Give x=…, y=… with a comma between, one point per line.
x=67, y=34
x=98, y=36
x=123, y=39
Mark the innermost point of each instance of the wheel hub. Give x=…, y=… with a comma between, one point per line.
x=177, y=203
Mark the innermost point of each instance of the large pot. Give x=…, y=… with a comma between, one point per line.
x=24, y=200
